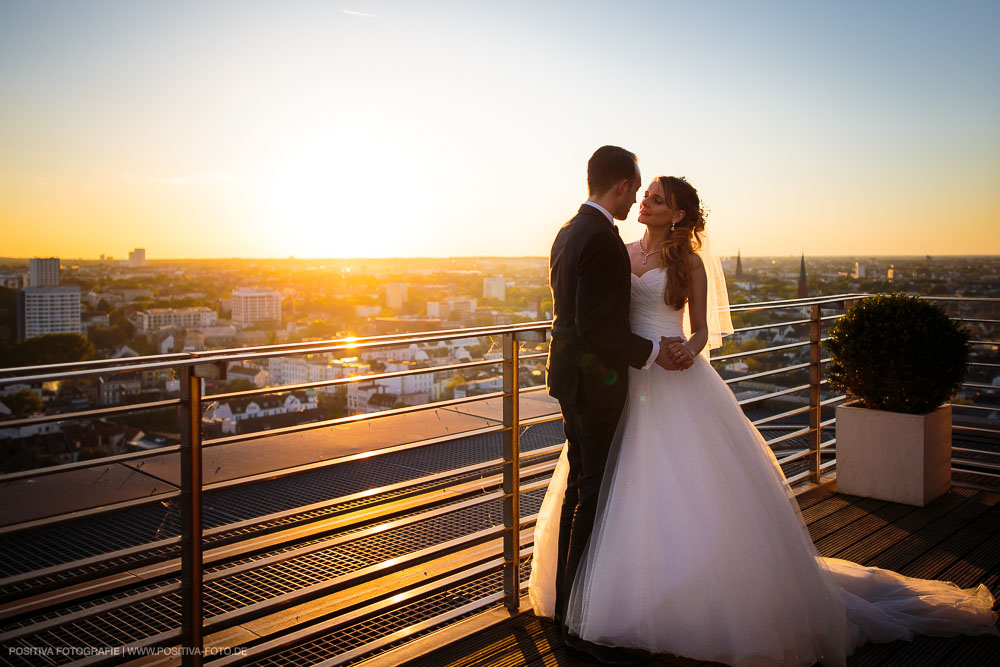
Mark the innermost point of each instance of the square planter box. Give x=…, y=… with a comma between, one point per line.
x=893, y=456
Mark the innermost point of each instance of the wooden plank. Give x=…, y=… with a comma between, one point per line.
x=947, y=552
x=923, y=650
x=901, y=541
x=843, y=517
x=815, y=495
x=873, y=655
x=824, y=508
x=860, y=529
x=980, y=566
x=981, y=650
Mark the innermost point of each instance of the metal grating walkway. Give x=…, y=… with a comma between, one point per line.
x=48, y=546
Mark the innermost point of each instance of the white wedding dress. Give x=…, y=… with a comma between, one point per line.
x=699, y=548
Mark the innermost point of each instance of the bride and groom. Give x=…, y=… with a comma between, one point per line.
x=667, y=526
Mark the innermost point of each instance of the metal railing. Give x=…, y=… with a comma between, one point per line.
x=502, y=550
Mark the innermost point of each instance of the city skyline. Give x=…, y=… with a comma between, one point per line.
x=123, y=261
x=367, y=129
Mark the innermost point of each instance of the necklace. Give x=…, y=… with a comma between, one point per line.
x=646, y=255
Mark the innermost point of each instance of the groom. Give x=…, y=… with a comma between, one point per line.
x=592, y=347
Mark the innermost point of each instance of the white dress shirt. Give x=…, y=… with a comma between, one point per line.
x=656, y=343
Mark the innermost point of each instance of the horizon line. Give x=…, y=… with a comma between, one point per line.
x=464, y=257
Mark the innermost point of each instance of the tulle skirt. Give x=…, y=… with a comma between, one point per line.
x=699, y=548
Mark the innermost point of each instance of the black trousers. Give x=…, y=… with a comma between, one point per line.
x=589, y=431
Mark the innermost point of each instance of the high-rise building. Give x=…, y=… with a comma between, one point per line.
x=395, y=295
x=47, y=310
x=137, y=258
x=43, y=272
x=255, y=305
x=494, y=288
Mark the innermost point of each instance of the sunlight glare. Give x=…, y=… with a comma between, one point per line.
x=348, y=194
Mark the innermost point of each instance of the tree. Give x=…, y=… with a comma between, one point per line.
x=754, y=364
x=24, y=402
x=240, y=384
x=449, y=389
x=105, y=338
x=8, y=308
x=333, y=406
x=49, y=349
x=88, y=453
x=119, y=319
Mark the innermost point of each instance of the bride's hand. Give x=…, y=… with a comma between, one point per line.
x=673, y=355
x=682, y=356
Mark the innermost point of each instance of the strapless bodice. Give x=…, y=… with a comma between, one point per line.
x=649, y=316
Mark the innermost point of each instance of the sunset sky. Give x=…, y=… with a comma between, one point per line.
x=373, y=128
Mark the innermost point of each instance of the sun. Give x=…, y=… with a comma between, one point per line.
x=348, y=193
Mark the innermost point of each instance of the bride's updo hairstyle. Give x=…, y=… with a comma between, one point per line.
x=684, y=240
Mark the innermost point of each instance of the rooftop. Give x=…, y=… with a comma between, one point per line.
x=390, y=538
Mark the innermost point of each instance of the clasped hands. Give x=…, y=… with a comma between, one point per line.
x=673, y=355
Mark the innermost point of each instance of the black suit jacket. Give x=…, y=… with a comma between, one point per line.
x=592, y=344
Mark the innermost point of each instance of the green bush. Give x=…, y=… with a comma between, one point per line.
x=897, y=353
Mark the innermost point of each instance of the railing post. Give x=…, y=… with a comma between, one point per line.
x=815, y=395
x=192, y=641
x=511, y=475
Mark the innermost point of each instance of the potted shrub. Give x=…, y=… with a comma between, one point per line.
x=900, y=358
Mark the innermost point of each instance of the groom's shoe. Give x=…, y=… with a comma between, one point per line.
x=607, y=655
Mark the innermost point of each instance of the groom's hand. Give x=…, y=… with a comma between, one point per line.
x=673, y=356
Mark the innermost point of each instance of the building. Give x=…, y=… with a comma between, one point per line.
x=48, y=310
x=803, y=281
x=227, y=415
x=157, y=318
x=12, y=280
x=437, y=309
x=288, y=370
x=405, y=384
x=739, y=265
x=137, y=258
x=388, y=325
x=367, y=311
x=461, y=308
x=860, y=270
x=251, y=306
x=255, y=375
x=395, y=295
x=43, y=272
x=118, y=389
x=494, y=288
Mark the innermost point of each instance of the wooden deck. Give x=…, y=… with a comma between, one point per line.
x=956, y=538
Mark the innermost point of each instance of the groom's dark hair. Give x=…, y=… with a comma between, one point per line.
x=609, y=165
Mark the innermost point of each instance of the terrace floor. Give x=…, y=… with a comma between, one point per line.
x=956, y=538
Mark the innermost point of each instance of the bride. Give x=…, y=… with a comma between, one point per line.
x=698, y=548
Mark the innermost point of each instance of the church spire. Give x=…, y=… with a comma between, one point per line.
x=739, y=265
x=803, y=283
